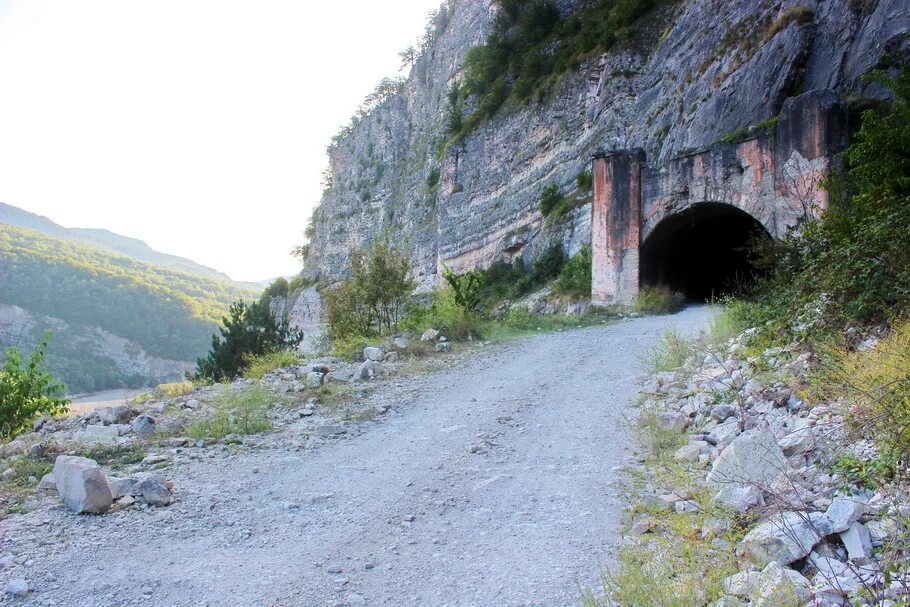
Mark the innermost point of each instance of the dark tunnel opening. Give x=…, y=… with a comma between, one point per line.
x=702, y=252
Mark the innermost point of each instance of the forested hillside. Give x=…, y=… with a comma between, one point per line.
x=113, y=243
x=164, y=314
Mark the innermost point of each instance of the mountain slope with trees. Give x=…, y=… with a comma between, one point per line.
x=80, y=292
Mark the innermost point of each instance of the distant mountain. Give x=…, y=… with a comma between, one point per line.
x=115, y=321
x=115, y=243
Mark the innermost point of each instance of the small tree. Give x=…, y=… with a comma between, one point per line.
x=372, y=300
x=27, y=390
x=248, y=331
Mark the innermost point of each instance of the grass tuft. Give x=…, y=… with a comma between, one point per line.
x=242, y=411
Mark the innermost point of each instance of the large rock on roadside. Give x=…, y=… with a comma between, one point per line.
x=373, y=353
x=82, y=485
x=752, y=459
x=429, y=335
x=153, y=490
x=785, y=537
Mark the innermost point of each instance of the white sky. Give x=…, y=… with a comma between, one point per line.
x=198, y=126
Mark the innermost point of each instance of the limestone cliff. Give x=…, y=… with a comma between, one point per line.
x=690, y=73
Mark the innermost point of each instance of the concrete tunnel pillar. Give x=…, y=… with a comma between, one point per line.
x=616, y=227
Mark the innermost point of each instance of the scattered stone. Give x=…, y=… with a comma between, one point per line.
x=314, y=379
x=144, y=425
x=799, y=438
x=153, y=491
x=17, y=587
x=753, y=458
x=672, y=420
x=192, y=404
x=722, y=412
x=120, y=414
x=82, y=484
x=330, y=431
x=47, y=484
x=779, y=586
x=355, y=600
x=401, y=343
x=391, y=357
x=842, y=513
x=443, y=346
x=367, y=371
x=785, y=537
x=97, y=434
x=373, y=353
x=155, y=458
x=742, y=584
x=121, y=486
x=429, y=335
x=7, y=475
x=36, y=451
x=739, y=499
x=857, y=541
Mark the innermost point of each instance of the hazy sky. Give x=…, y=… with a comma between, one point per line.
x=198, y=126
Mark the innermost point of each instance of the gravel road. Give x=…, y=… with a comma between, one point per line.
x=490, y=483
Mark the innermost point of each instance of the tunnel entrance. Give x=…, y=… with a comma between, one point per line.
x=701, y=252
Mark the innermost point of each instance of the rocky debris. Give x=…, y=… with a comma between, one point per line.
x=153, y=490
x=17, y=587
x=443, y=346
x=367, y=371
x=121, y=487
x=401, y=342
x=47, y=484
x=144, y=425
x=98, y=434
x=751, y=459
x=811, y=537
x=429, y=335
x=373, y=353
x=121, y=414
x=82, y=485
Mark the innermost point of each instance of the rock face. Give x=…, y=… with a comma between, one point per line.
x=82, y=485
x=719, y=67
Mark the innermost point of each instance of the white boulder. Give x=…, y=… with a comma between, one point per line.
x=82, y=484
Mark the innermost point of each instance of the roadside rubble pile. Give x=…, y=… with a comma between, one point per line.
x=766, y=459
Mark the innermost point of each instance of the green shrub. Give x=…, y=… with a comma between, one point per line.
x=466, y=288
x=549, y=199
x=451, y=318
x=27, y=390
x=249, y=331
x=258, y=366
x=371, y=301
x=584, y=181
x=279, y=288
x=853, y=264
x=659, y=300
x=575, y=276
x=531, y=46
x=241, y=411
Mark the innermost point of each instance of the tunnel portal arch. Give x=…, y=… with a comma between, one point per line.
x=653, y=224
x=703, y=252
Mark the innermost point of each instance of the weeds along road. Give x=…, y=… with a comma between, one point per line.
x=490, y=483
